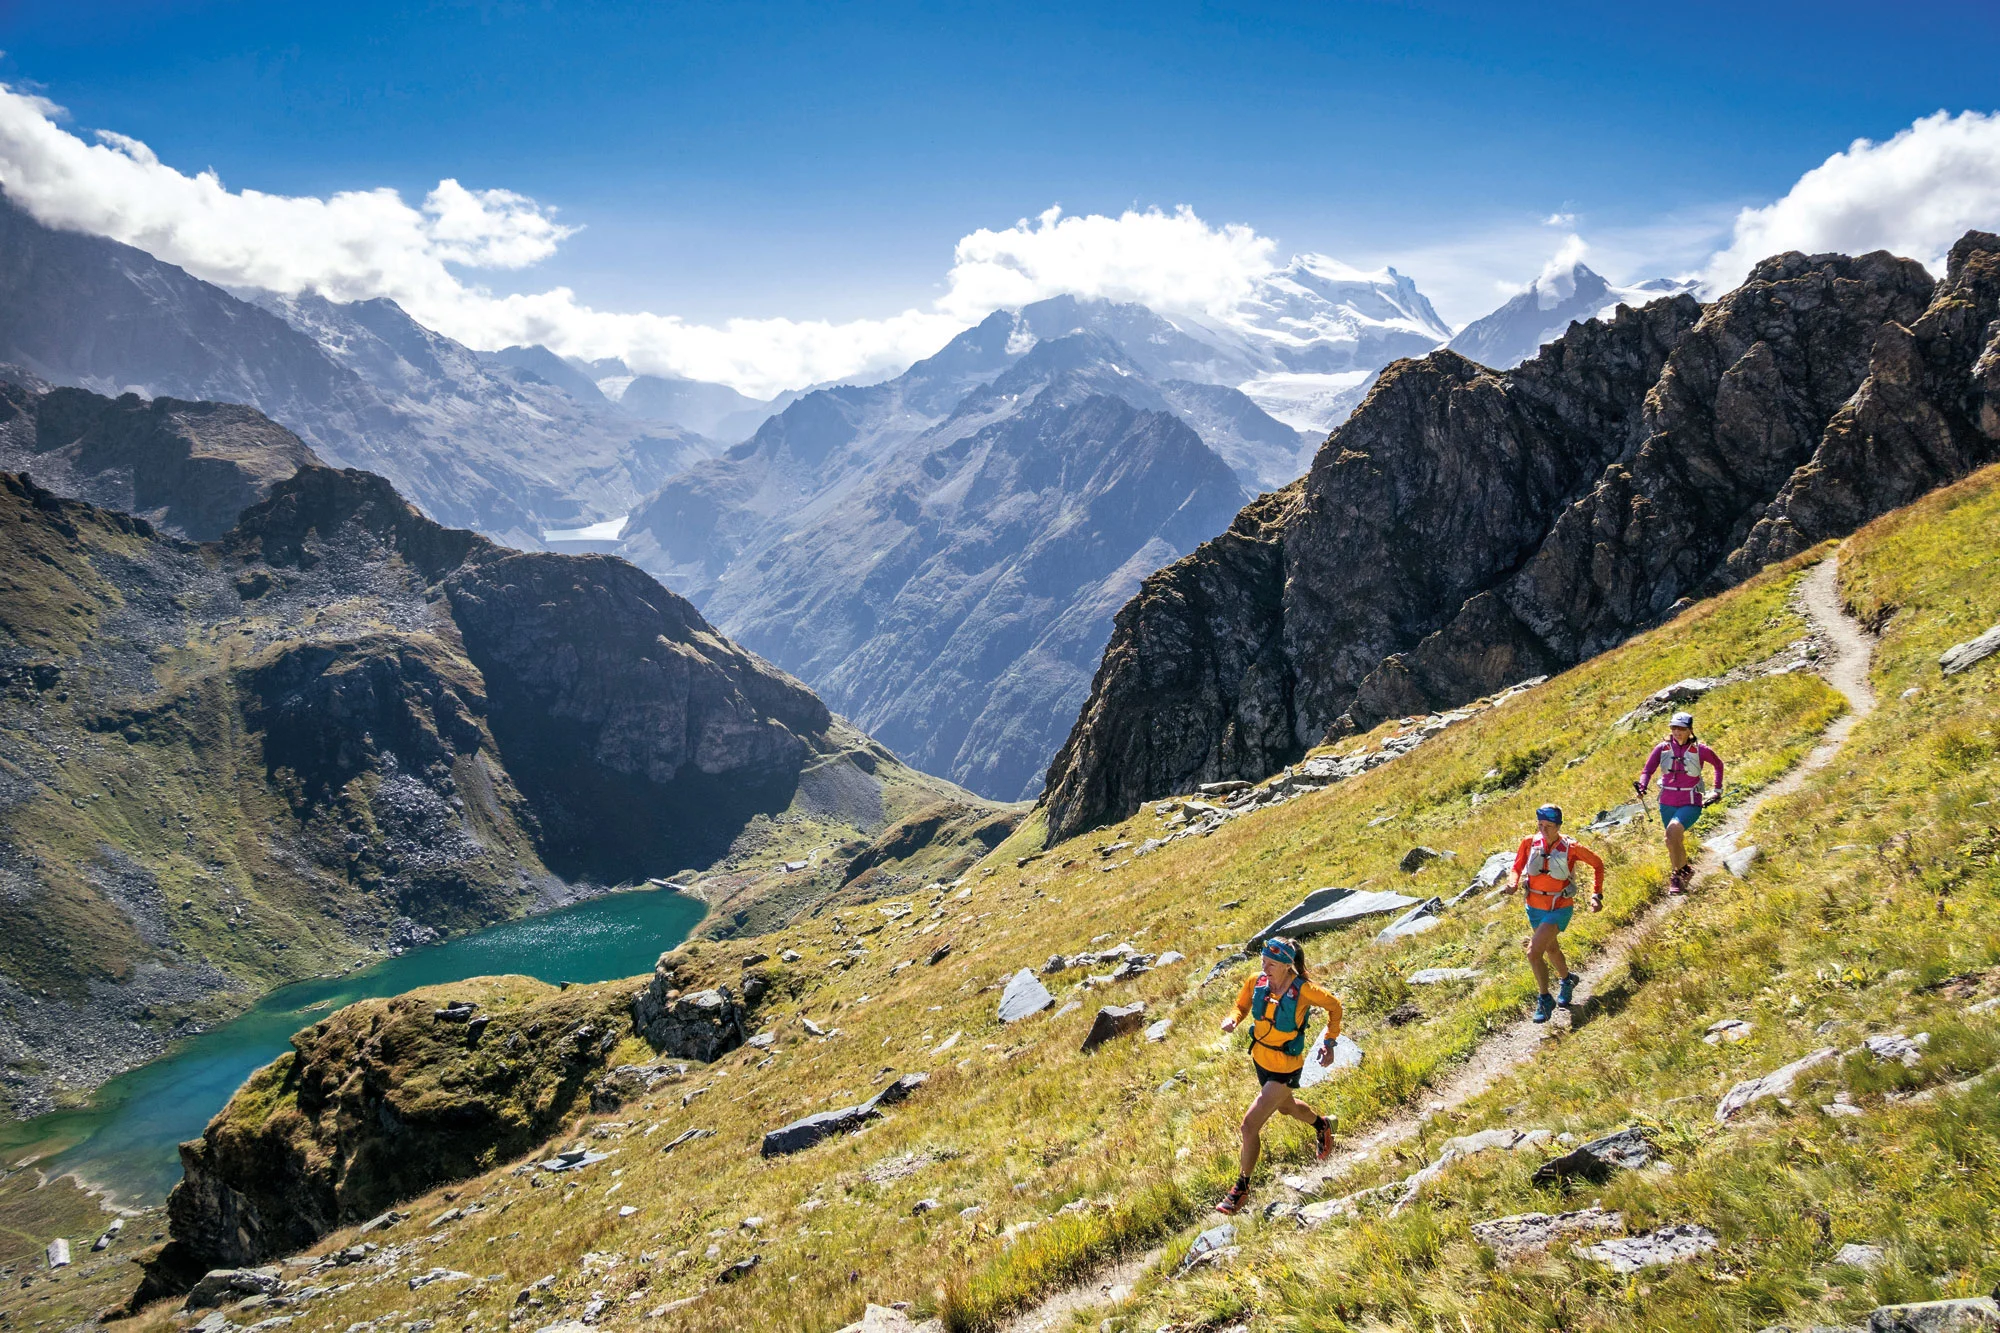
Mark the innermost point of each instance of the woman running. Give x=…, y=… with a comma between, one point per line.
x=1278, y=999
x=1548, y=859
x=1679, y=759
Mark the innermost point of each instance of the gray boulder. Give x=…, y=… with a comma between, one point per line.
x=1324, y=909
x=220, y=1286
x=1115, y=1021
x=1774, y=1084
x=1024, y=997
x=1955, y=1316
x=1418, y=857
x=1413, y=922
x=804, y=1133
x=1963, y=655
x=1627, y=1150
x=1527, y=1233
x=1674, y=1244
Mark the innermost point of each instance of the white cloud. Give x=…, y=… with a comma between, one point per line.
x=369, y=243
x=1559, y=220
x=1913, y=194
x=1170, y=261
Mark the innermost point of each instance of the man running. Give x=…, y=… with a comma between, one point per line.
x=1679, y=759
x=1549, y=860
x=1277, y=1001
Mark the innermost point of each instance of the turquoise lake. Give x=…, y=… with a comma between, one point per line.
x=126, y=1142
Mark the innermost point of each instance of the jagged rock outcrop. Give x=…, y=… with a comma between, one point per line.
x=699, y=1025
x=379, y=1102
x=1467, y=529
x=954, y=833
x=187, y=468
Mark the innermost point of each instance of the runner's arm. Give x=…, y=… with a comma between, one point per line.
x=1520, y=864
x=1242, y=1003
x=1596, y=864
x=1709, y=756
x=1318, y=998
x=1646, y=778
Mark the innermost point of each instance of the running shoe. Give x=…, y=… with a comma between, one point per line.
x=1325, y=1128
x=1566, y=992
x=1232, y=1202
x=1677, y=881
x=1545, y=1007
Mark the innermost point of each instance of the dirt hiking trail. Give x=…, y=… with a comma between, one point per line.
x=1852, y=650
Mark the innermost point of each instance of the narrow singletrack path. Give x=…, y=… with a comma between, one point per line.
x=1847, y=671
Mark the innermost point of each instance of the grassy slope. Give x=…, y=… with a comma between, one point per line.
x=1020, y=1125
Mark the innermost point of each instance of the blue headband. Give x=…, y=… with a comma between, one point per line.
x=1282, y=951
x=1552, y=813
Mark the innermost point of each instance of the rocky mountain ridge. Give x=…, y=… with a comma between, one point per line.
x=940, y=554
x=1466, y=529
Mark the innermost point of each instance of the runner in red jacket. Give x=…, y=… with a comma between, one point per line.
x=1549, y=861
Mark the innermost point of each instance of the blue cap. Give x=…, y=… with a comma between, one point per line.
x=1552, y=813
x=1282, y=951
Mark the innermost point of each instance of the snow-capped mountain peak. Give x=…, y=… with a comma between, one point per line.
x=1560, y=295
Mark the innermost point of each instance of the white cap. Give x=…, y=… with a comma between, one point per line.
x=1684, y=720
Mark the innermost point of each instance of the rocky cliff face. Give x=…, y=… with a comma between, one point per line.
x=224, y=766
x=1466, y=529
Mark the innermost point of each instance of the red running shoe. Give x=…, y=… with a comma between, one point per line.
x=1232, y=1202
x=1325, y=1129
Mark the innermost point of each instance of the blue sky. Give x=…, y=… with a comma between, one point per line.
x=820, y=160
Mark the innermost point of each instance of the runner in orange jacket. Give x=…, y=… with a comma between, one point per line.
x=1549, y=861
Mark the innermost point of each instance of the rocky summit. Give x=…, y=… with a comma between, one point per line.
x=1467, y=529
x=335, y=728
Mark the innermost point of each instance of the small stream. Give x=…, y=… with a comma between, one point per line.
x=126, y=1142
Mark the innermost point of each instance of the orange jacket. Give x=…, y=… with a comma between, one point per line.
x=1546, y=892
x=1310, y=997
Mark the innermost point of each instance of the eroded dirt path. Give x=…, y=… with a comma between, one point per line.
x=1846, y=670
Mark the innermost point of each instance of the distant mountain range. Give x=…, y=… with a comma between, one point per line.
x=1544, y=312
x=476, y=442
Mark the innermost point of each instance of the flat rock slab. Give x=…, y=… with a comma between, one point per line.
x=1627, y=1150
x=1958, y=1316
x=804, y=1133
x=1960, y=656
x=1158, y=1031
x=1024, y=997
x=1115, y=1020
x=1416, y=921
x=1324, y=909
x=1493, y=869
x=1674, y=1244
x=1895, y=1047
x=1616, y=817
x=1528, y=1233
x=1738, y=862
x=1774, y=1084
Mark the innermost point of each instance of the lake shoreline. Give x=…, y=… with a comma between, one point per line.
x=130, y=1125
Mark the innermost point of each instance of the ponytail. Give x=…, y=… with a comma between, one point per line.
x=1299, y=953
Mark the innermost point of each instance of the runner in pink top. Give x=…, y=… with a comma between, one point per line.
x=1679, y=760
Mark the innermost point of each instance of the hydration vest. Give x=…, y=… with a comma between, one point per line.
x=1682, y=763
x=1552, y=863
x=1282, y=1031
